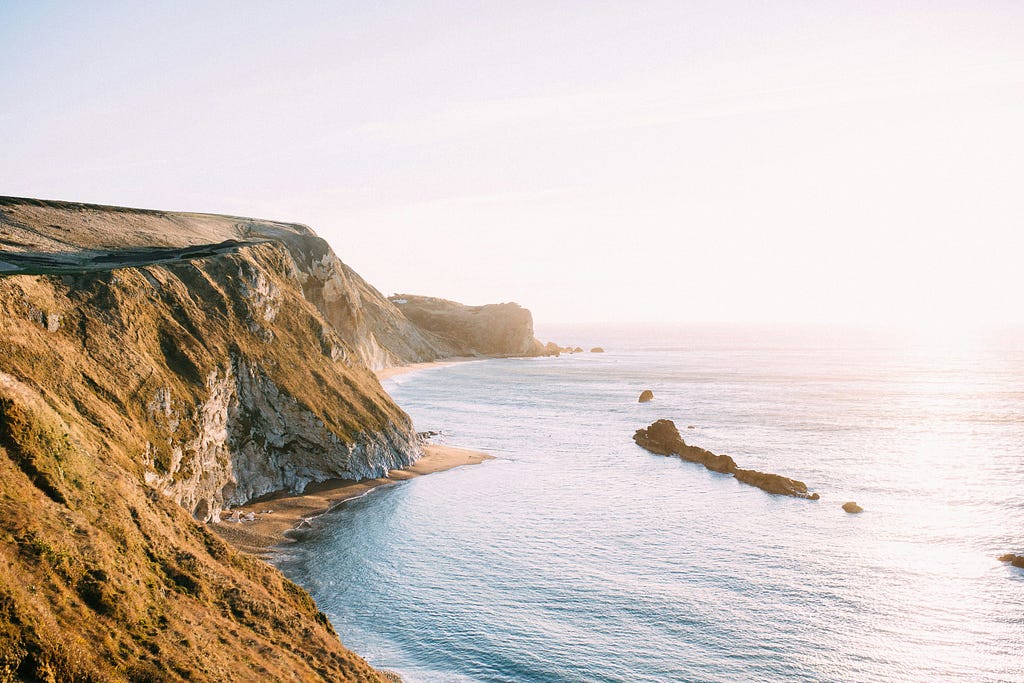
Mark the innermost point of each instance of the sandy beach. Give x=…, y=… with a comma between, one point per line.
x=395, y=371
x=276, y=520
x=280, y=519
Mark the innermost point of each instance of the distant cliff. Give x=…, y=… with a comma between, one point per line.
x=158, y=366
x=492, y=329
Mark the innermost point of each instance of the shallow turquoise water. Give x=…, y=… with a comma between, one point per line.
x=576, y=556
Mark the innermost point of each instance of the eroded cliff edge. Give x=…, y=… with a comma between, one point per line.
x=232, y=375
x=158, y=366
x=51, y=237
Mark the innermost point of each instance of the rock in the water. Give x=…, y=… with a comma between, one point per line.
x=1014, y=560
x=577, y=350
x=852, y=507
x=597, y=349
x=646, y=395
x=662, y=438
x=774, y=483
x=552, y=349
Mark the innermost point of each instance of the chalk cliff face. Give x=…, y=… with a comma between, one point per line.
x=159, y=366
x=370, y=324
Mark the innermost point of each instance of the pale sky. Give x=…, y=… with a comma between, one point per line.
x=594, y=161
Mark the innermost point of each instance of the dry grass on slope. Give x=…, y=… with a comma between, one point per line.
x=123, y=335
x=101, y=577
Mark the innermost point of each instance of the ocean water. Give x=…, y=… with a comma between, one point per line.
x=577, y=556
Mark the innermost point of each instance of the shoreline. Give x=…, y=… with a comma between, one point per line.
x=396, y=370
x=282, y=519
x=279, y=519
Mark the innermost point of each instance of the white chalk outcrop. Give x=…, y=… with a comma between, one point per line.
x=248, y=439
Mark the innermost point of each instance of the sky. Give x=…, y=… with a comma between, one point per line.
x=846, y=162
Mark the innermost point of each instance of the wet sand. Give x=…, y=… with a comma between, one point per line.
x=280, y=519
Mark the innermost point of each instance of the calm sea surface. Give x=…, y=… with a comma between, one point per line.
x=577, y=556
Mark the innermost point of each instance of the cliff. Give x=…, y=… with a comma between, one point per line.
x=104, y=579
x=492, y=330
x=156, y=368
x=62, y=237
x=233, y=369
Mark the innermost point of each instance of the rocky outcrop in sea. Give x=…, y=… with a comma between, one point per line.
x=1013, y=560
x=662, y=438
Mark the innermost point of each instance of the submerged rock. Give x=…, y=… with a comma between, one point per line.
x=852, y=507
x=1014, y=560
x=662, y=438
x=551, y=349
x=646, y=395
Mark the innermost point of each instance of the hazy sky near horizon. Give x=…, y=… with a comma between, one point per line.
x=632, y=161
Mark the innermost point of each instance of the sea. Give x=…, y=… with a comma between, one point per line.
x=575, y=555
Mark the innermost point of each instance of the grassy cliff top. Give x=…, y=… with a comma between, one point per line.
x=42, y=225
